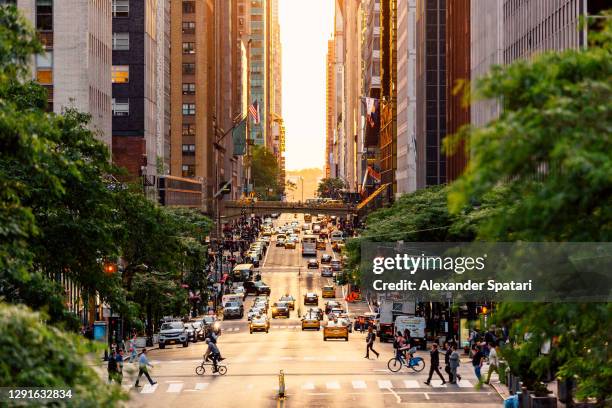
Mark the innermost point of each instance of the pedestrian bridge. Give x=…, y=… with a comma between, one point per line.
x=233, y=209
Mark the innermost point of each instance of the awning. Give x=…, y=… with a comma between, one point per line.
x=372, y=196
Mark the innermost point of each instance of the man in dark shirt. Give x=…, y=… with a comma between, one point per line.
x=477, y=357
x=435, y=362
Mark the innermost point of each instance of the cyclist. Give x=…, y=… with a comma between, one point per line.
x=212, y=352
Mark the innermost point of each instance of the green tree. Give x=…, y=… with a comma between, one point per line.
x=550, y=149
x=331, y=188
x=38, y=355
x=265, y=170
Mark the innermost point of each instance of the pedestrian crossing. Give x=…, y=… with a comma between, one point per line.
x=313, y=385
x=272, y=327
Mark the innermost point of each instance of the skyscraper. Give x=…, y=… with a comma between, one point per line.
x=258, y=67
x=76, y=63
x=330, y=104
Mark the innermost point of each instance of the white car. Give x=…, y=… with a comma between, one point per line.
x=239, y=290
x=255, y=311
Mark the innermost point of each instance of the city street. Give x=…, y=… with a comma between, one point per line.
x=317, y=373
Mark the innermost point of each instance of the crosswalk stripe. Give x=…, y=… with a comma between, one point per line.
x=384, y=384
x=411, y=384
x=175, y=387
x=358, y=384
x=464, y=384
x=308, y=386
x=201, y=386
x=309, y=358
x=437, y=384
x=333, y=385
x=148, y=389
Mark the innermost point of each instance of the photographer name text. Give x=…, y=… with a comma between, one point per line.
x=467, y=286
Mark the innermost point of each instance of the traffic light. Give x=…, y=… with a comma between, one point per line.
x=110, y=268
x=482, y=310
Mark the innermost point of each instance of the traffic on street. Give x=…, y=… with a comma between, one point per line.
x=303, y=328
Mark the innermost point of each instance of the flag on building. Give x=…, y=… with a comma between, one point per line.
x=254, y=112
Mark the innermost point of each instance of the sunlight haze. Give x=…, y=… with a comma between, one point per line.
x=305, y=28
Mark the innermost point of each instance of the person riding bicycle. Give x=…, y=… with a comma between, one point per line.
x=212, y=352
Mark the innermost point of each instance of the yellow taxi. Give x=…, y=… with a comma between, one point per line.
x=311, y=321
x=321, y=245
x=259, y=323
x=335, y=330
x=290, y=244
x=328, y=291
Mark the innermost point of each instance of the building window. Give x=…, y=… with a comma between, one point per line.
x=189, y=109
x=121, y=107
x=44, y=68
x=188, y=149
x=121, y=8
x=121, y=41
x=121, y=74
x=44, y=15
x=189, y=68
x=189, y=129
x=188, y=27
x=188, y=170
x=188, y=89
x=188, y=48
x=188, y=7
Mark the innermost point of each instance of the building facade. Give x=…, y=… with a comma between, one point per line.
x=330, y=116
x=134, y=75
x=258, y=68
x=458, y=73
x=431, y=92
x=406, y=97
x=76, y=63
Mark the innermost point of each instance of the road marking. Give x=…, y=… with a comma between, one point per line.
x=411, y=384
x=359, y=385
x=286, y=358
x=308, y=386
x=201, y=386
x=332, y=358
x=309, y=358
x=426, y=395
x=169, y=382
x=384, y=384
x=437, y=384
x=148, y=389
x=398, y=399
x=250, y=387
x=175, y=388
x=333, y=385
x=464, y=384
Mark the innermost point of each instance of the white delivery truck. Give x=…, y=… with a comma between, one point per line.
x=416, y=325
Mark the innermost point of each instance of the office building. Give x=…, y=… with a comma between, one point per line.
x=431, y=92
x=330, y=116
x=135, y=73
x=457, y=79
x=76, y=63
x=406, y=96
x=258, y=74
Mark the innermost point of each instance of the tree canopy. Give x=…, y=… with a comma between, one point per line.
x=331, y=187
x=265, y=170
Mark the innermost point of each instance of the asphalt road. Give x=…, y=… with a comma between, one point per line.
x=317, y=373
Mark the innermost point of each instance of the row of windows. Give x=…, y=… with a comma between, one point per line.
x=189, y=109
x=44, y=15
x=121, y=8
x=188, y=170
x=120, y=107
x=120, y=74
x=121, y=41
x=188, y=7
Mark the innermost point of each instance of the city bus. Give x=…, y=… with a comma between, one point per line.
x=309, y=245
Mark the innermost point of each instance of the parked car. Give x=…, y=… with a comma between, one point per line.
x=233, y=310
x=173, y=333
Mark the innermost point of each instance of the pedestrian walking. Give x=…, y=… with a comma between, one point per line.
x=477, y=357
x=493, y=361
x=434, y=355
x=362, y=324
x=119, y=359
x=454, y=362
x=447, y=354
x=112, y=367
x=143, y=368
x=133, y=352
x=370, y=343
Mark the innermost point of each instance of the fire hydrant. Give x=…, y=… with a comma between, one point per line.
x=281, y=385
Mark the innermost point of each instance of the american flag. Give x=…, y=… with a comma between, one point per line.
x=254, y=111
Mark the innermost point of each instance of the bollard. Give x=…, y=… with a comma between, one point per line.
x=281, y=385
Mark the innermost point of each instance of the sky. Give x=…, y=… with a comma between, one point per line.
x=305, y=28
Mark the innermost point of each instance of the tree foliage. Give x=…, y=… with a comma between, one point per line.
x=331, y=187
x=38, y=355
x=266, y=172
x=550, y=149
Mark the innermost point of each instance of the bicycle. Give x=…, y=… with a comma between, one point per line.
x=201, y=369
x=416, y=363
